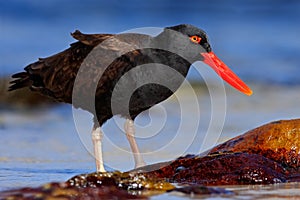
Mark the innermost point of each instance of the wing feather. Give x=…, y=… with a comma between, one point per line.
x=54, y=76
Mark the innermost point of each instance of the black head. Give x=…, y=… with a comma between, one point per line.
x=192, y=43
x=192, y=31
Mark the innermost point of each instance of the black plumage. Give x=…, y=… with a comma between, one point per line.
x=122, y=74
x=54, y=76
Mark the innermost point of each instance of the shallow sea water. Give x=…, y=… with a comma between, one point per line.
x=39, y=146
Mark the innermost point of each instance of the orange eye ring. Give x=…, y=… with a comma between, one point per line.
x=195, y=39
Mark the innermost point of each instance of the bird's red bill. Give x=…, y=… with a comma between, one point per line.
x=225, y=73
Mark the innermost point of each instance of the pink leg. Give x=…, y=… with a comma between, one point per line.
x=97, y=136
x=130, y=132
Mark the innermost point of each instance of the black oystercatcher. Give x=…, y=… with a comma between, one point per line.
x=177, y=47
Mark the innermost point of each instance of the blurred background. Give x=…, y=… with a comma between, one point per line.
x=258, y=39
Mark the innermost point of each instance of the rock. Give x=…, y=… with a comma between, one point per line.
x=267, y=154
x=126, y=181
x=224, y=169
x=278, y=141
x=63, y=191
x=110, y=185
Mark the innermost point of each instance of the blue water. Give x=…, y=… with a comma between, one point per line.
x=258, y=39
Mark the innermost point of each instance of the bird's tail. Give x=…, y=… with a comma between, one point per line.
x=29, y=77
x=22, y=79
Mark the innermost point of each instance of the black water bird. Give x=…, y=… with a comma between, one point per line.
x=177, y=47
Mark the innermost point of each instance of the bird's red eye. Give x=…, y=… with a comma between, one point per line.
x=195, y=39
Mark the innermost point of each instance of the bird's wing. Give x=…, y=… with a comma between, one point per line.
x=95, y=60
x=54, y=76
x=90, y=39
x=109, y=60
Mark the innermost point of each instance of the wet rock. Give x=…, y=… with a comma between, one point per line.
x=62, y=191
x=179, y=169
x=126, y=181
x=278, y=141
x=109, y=185
x=265, y=155
x=224, y=169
